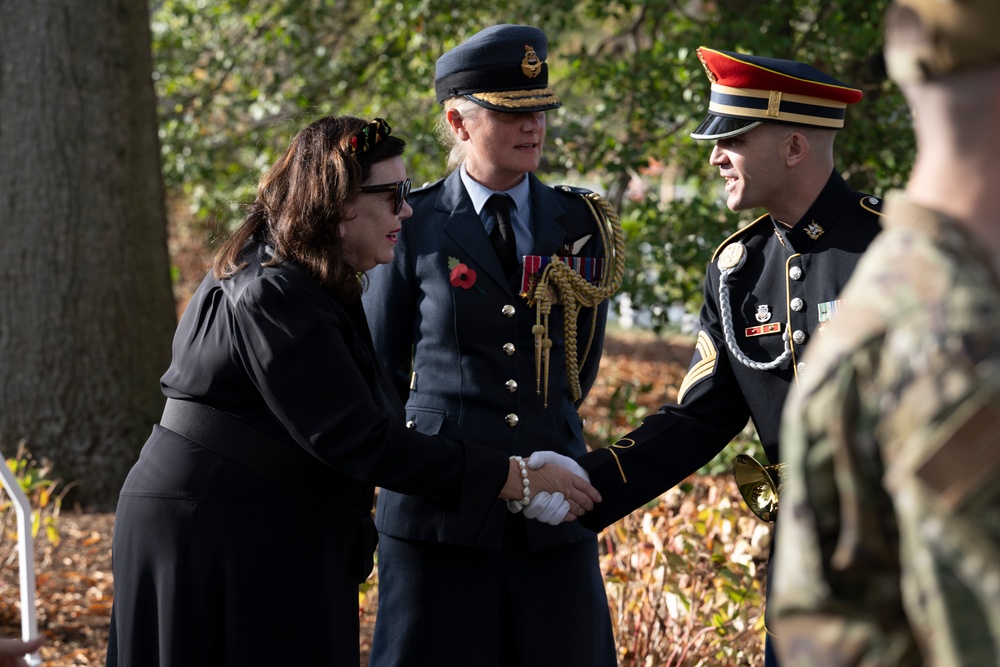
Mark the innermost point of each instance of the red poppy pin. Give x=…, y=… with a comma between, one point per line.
x=461, y=275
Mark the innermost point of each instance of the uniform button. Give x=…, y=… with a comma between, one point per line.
x=511, y=386
x=410, y=424
x=796, y=304
x=801, y=366
x=509, y=349
x=508, y=310
x=795, y=273
x=873, y=201
x=799, y=336
x=511, y=419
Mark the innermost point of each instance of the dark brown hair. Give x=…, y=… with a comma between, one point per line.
x=301, y=202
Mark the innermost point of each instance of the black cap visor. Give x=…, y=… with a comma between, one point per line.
x=720, y=127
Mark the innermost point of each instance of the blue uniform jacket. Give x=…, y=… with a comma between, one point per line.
x=790, y=282
x=463, y=355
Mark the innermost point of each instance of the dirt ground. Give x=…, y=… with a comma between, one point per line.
x=74, y=579
x=73, y=583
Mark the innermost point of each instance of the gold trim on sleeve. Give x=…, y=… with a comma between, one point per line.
x=615, y=446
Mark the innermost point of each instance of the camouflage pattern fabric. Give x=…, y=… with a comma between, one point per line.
x=888, y=549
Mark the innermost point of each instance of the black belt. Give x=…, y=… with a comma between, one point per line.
x=288, y=467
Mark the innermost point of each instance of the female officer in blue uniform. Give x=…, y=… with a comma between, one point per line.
x=448, y=319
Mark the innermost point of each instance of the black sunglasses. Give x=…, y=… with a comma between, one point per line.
x=401, y=188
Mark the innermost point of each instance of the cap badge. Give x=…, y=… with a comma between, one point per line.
x=530, y=64
x=763, y=313
x=709, y=73
x=774, y=103
x=814, y=231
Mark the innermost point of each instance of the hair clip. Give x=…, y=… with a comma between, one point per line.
x=370, y=134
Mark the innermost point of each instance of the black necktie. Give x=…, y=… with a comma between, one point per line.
x=502, y=235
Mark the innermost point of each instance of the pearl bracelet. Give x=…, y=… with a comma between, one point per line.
x=524, y=478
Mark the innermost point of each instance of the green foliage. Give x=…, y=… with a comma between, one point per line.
x=626, y=410
x=237, y=78
x=668, y=252
x=746, y=442
x=33, y=478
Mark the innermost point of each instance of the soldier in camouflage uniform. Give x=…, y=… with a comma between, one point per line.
x=889, y=548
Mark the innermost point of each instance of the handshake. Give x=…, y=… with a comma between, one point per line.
x=558, y=489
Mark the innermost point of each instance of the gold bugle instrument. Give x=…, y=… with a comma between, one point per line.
x=759, y=485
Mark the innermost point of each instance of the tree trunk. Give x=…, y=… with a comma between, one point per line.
x=86, y=309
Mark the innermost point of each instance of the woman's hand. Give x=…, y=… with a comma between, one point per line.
x=561, y=495
x=12, y=651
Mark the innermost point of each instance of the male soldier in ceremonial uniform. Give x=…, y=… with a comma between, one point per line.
x=448, y=319
x=771, y=288
x=889, y=548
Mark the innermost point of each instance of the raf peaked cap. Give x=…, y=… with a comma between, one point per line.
x=750, y=90
x=926, y=39
x=501, y=68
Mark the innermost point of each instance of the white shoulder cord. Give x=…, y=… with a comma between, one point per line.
x=732, y=259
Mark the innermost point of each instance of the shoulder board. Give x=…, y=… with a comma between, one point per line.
x=427, y=186
x=736, y=235
x=572, y=189
x=871, y=204
x=599, y=206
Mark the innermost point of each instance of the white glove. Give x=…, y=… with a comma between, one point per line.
x=546, y=507
x=515, y=506
x=550, y=508
x=538, y=459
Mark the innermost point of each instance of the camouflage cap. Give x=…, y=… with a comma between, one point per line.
x=926, y=39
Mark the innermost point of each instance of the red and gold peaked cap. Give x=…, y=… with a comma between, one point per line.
x=748, y=90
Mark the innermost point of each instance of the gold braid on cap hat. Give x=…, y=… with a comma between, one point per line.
x=560, y=283
x=519, y=99
x=370, y=134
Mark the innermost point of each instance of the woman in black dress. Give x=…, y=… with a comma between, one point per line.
x=244, y=528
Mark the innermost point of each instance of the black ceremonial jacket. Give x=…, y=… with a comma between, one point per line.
x=788, y=284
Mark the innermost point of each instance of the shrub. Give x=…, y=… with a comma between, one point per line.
x=685, y=578
x=41, y=491
x=684, y=575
